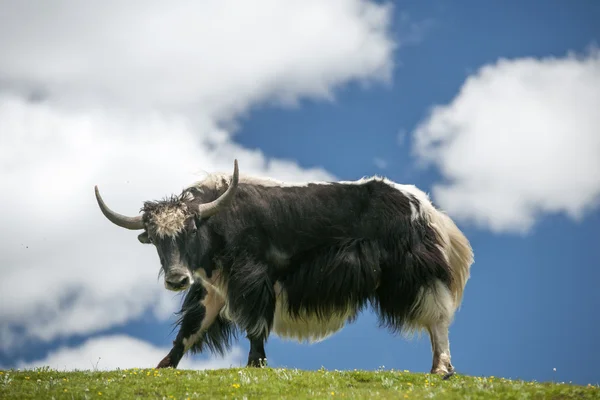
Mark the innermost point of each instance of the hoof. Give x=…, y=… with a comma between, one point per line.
x=444, y=372
x=448, y=375
x=164, y=363
x=257, y=363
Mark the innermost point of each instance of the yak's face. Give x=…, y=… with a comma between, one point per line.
x=173, y=232
x=171, y=226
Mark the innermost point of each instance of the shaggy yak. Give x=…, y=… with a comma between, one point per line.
x=302, y=260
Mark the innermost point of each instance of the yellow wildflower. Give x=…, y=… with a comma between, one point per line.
x=236, y=385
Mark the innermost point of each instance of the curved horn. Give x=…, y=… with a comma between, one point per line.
x=133, y=223
x=208, y=209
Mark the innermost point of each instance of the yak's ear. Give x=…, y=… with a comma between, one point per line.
x=144, y=238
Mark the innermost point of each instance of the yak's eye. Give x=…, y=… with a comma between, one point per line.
x=192, y=227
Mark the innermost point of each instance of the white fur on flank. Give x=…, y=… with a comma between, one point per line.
x=434, y=304
x=308, y=327
x=456, y=248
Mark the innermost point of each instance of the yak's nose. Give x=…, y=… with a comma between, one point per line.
x=177, y=282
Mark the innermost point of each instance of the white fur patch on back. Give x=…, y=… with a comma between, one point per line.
x=407, y=190
x=220, y=181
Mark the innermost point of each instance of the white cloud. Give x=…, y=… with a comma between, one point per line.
x=120, y=351
x=522, y=138
x=216, y=57
x=130, y=96
x=65, y=268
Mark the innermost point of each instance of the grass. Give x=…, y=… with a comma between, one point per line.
x=272, y=383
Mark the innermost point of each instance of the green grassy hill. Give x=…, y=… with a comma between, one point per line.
x=272, y=383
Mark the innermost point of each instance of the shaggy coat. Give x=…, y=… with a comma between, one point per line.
x=301, y=261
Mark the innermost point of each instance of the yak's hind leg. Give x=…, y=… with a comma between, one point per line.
x=431, y=308
x=440, y=347
x=435, y=312
x=257, y=356
x=201, y=325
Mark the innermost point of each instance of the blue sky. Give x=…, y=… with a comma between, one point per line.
x=532, y=303
x=530, y=310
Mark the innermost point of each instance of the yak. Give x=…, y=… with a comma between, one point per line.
x=262, y=256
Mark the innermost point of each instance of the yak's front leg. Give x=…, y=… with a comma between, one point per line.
x=200, y=309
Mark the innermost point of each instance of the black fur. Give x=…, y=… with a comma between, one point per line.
x=349, y=245
x=343, y=245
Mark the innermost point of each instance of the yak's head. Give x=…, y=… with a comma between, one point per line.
x=172, y=227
